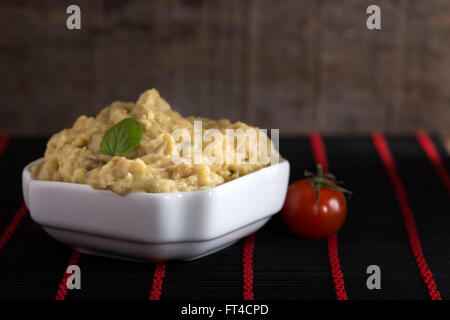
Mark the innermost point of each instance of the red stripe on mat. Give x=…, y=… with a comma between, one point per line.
x=433, y=155
x=320, y=156
x=4, y=139
x=158, y=278
x=11, y=228
x=247, y=266
x=62, y=288
x=382, y=147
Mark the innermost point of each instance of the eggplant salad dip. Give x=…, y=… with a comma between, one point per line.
x=84, y=153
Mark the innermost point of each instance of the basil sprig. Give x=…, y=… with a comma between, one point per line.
x=124, y=137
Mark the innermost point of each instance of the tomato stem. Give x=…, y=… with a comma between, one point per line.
x=319, y=180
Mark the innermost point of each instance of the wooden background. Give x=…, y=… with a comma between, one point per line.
x=293, y=65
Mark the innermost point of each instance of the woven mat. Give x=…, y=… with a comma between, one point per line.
x=283, y=266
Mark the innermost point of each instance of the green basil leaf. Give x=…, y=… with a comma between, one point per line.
x=124, y=137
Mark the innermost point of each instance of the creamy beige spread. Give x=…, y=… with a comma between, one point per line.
x=73, y=155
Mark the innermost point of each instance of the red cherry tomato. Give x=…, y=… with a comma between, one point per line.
x=308, y=218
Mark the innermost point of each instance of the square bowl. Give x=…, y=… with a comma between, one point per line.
x=156, y=226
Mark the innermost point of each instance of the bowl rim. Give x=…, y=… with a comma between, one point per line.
x=27, y=175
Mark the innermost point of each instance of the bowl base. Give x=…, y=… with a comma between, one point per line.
x=126, y=258
x=149, y=252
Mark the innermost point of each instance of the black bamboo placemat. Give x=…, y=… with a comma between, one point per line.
x=283, y=266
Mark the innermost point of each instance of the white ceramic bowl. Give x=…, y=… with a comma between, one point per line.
x=156, y=226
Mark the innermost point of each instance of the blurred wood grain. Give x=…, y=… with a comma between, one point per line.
x=293, y=65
